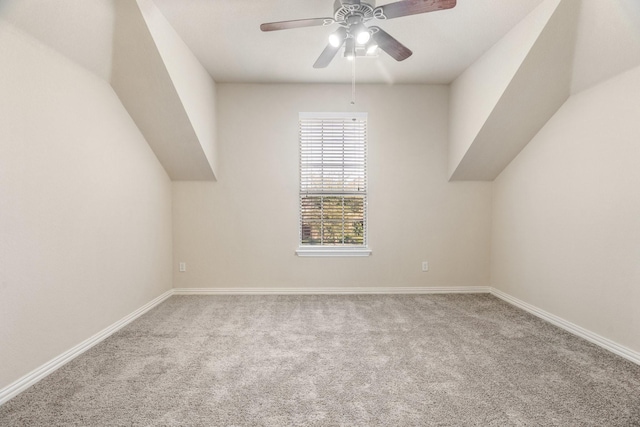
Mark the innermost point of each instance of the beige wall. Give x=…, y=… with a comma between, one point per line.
x=85, y=208
x=566, y=214
x=243, y=230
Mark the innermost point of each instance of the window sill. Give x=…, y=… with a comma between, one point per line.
x=332, y=251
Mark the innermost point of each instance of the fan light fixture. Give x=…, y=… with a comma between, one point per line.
x=363, y=37
x=361, y=33
x=372, y=47
x=350, y=49
x=358, y=38
x=337, y=37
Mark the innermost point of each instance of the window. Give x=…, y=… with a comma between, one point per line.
x=333, y=184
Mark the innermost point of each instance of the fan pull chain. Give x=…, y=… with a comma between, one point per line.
x=353, y=80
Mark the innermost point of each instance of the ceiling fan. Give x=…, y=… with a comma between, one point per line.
x=354, y=35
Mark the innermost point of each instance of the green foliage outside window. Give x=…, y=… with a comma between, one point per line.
x=332, y=220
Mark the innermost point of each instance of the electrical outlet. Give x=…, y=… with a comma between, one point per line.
x=183, y=267
x=425, y=266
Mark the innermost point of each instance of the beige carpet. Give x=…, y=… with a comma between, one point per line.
x=367, y=360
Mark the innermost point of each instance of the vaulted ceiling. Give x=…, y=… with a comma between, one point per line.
x=225, y=36
x=507, y=71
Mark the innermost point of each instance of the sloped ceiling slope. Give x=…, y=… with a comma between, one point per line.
x=520, y=103
x=158, y=97
x=223, y=36
x=112, y=39
x=582, y=43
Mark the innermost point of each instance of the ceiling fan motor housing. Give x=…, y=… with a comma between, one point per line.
x=348, y=10
x=338, y=3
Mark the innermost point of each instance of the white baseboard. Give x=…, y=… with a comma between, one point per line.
x=39, y=373
x=581, y=332
x=36, y=375
x=334, y=291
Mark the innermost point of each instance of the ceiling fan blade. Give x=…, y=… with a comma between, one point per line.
x=411, y=7
x=327, y=56
x=393, y=47
x=298, y=23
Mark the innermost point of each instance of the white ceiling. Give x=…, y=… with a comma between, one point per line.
x=226, y=38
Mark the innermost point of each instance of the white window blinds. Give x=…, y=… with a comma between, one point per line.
x=333, y=179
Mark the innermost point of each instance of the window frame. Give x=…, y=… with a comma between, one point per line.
x=333, y=250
